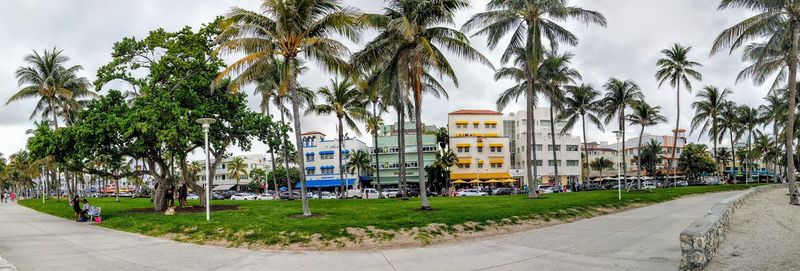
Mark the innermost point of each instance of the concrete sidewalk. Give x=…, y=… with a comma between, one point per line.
x=640, y=239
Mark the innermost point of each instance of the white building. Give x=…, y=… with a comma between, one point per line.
x=476, y=137
x=321, y=159
x=665, y=141
x=222, y=177
x=567, y=147
x=596, y=151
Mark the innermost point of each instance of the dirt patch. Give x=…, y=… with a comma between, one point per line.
x=763, y=235
x=192, y=209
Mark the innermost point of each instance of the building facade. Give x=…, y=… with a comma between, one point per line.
x=567, y=147
x=596, y=151
x=388, y=157
x=632, y=150
x=476, y=137
x=322, y=160
x=222, y=179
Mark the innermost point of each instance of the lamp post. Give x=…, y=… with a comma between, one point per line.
x=619, y=174
x=206, y=122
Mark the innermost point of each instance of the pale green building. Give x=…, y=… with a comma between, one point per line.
x=388, y=153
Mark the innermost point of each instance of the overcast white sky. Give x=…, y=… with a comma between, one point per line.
x=628, y=48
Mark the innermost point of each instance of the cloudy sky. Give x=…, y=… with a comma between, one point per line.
x=627, y=48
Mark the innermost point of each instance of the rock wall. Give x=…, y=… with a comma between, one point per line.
x=701, y=239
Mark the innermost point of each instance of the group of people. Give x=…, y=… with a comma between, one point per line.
x=181, y=194
x=83, y=210
x=5, y=197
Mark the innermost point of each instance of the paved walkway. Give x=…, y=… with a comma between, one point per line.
x=640, y=239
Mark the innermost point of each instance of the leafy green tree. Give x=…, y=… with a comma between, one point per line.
x=707, y=108
x=723, y=155
x=359, y=163
x=695, y=160
x=531, y=23
x=650, y=156
x=259, y=176
x=292, y=30
x=601, y=164
x=729, y=123
x=581, y=102
x=620, y=95
x=346, y=102
x=777, y=22
x=236, y=168
x=676, y=68
x=280, y=174
x=413, y=35
x=644, y=115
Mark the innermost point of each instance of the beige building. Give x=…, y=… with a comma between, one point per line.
x=476, y=137
x=596, y=151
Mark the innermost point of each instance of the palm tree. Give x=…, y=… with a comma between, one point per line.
x=374, y=124
x=706, y=111
x=620, y=95
x=724, y=155
x=47, y=79
x=347, y=104
x=643, y=115
x=359, y=163
x=729, y=122
x=410, y=45
x=676, y=69
x=375, y=90
x=236, y=169
x=292, y=30
x=554, y=73
x=581, y=102
x=602, y=163
x=774, y=112
x=748, y=118
x=778, y=22
x=530, y=22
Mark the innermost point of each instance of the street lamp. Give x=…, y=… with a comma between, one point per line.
x=206, y=122
x=619, y=174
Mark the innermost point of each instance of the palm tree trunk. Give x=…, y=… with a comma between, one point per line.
x=792, y=63
x=401, y=143
x=639, y=161
x=714, y=139
x=298, y=137
x=585, y=151
x=675, y=137
x=375, y=144
x=624, y=162
x=274, y=182
x=341, y=169
x=423, y=194
x=286, y=161
x=532, y=65
x=556, y=178
x=734, y=171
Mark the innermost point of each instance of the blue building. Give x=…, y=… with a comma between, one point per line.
x=321, y=159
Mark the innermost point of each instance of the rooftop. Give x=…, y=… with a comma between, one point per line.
x=475, y=112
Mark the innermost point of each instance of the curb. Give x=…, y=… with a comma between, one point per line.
x=700, y=241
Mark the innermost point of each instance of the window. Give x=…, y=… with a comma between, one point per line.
x=476, y=125
x=491, y=126
x=572, y=163
x=551, y=147
x=326, y=156
x=310, y=158
x=480, y=165
x=496, y=165
x=495, y=149
x=480, y=149
x=327, y=170
x=538, y=147
x=464, y=165
x=551, y=162
x=538, y=163
x=461, y=126
x=572, y=147
x=310, y=171
x=463, y=149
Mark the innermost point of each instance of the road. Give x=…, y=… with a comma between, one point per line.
x=640, y=239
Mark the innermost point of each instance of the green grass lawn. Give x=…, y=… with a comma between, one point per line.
x=273, y=222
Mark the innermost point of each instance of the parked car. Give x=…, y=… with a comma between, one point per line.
x=285, y=195
x=353, y=194
x=471, y=193
x=546, y=189
x=391, y=192
x=325, y=195
x=413, y=192
x=228, y=193
x=265, y=196
x=370, y=193
x=192, y=196
x=487, y=190
x=243, y=196
x=216, y=195
x=503, y=191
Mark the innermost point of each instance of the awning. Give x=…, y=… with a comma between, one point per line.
x=475, y=181
x=496, y=160
x=483, y=176
x=463, y=145
x=222, y=187
x=490, y=122
x=309, y=153
x=476, y=122
x=327, y=167
x=465, y=160
x=490, y=135
x=462, y=122
x=311, y=167
x=326, y=183
x=480, y=161
x=496, y=145
x=327, y=152
x=458, y=181
x=479, y=144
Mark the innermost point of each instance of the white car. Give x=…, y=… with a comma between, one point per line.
x=243, y=196
x=192, y=196
x=470, y=193
x=370, y=193
x=267, y=196
x=325, y=195
x=354, y=194
x=391, y=192
x=546, y=189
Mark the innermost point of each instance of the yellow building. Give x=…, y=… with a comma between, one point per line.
x=476, y=137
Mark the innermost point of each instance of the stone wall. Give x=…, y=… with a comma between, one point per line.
x=701, y=239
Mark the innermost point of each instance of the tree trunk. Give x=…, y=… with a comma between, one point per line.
x=714, y=139
x=556, y=177
x=401, y=143
x=375, y=144
x=298, y=137
x=341, y=169
x=624, y=161
x=792, y=63
x=675, y=137
x=585, y=151
x=423, y=194
x=639, y=161
x=286, y=162
x=532, y=65
x=734, y=171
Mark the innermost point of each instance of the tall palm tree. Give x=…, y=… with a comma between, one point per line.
x=375, y=90
x=554, y=73
x=346, y=102
x=359, y=163
x=531, y=22
x=291, y=30
x=675, y=68
x=581, y=102
x=47, y=78
x=620, y=95
x=774, y=112
x=779, y=23
x=236, y=169
x=413, y=34
x=601, y=163
x=724, y=155
x=707, y=108
x=749, y=119
x=729, y=123
x=643, y=115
